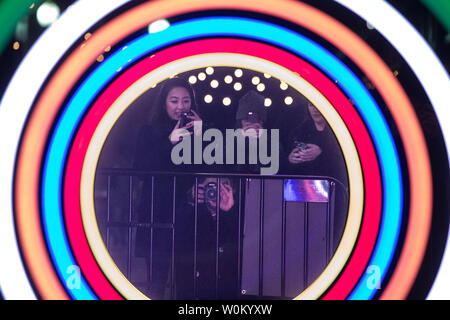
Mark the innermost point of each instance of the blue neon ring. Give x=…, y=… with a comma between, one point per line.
x=225, y=26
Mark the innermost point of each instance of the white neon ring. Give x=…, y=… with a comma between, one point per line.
x=432, y=76
x=14, y=108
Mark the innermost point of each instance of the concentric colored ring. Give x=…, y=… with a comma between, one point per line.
x=44, y=185
x=195, y=62
x=363, y=143
x=109, y=94
x=130, y=49
x=418, y=167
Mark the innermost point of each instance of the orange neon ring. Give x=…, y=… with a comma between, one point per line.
x=27, y=174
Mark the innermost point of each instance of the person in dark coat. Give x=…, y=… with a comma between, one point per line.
x=153, y=154
x=251, y=117
x=309, y=147
x=206, y=237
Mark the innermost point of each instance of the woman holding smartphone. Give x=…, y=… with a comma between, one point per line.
x=175, y=104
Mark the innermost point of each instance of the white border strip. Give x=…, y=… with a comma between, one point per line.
x=14, y=109
x=432, y=76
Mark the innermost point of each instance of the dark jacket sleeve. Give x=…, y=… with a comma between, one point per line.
x=152, y=150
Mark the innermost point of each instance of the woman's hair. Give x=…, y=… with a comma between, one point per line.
x=158, y=112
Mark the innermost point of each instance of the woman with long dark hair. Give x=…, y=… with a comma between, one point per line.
x=176, y=100
x=175, y=104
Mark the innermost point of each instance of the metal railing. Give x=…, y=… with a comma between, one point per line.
x=247, y=210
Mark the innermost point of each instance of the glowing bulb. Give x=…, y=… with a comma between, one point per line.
x=87, y=35
x=16, y=45
x=267, y=76
x=256, y=80
x=47, y=13
x=208, y=98
x=228, y=79
x=283, y=86
x=267, y=102
x=226, y=101
x=158, y=25
x=288, y=100
x=238, y=73
x=192, y=79
x=209, y=70
x=237, y=86
x=201, y=76
x=214, y=84
x=261, y=87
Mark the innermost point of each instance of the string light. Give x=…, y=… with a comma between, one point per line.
x=226, y=101
x=47, y=13
x=228, y=79
x=238, y=86
x=288, y=100
x=192, y=80
x=214, y=83
x=238, y=73
x=256, y=80
x=261, y=87
x=208, y=98
x=209, y=70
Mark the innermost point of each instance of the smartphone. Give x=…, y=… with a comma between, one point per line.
x=184, y=120
x=300, y=145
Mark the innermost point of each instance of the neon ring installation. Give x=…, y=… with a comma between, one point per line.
x=58, y=125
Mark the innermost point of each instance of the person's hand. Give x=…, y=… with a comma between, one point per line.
x=200, y=194
x=252, y=129
x=294, y=156
x=226, y=197
x=196, y=122
x=178, y=133
x=310, y=153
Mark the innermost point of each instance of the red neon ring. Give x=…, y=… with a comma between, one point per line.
x=372, y=211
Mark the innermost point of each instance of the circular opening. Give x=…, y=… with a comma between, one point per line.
x=135, y=207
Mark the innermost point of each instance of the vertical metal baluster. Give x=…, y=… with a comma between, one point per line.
x=172, y=268
x=305, y=247
x=108, y=212
x=217, y=236
x=152, y=211
x=329, y=236
x=239, y=271
x=283, y=245
x=195, y=236
x=130, y=230
x=261, y=238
